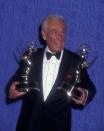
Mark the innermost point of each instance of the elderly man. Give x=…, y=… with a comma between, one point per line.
x=50, y=109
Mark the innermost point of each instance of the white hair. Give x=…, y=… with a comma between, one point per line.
x=51, y=17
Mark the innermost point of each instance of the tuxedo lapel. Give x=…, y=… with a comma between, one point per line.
x=62, y=70
x=39, y=65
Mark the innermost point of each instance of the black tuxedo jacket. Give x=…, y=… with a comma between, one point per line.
x=55, y=113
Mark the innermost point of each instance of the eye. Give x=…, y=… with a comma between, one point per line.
x=52, y=32
x=62, y=33
x=56, y=32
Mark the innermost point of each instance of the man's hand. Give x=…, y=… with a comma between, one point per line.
x=83, y=97
x=13, y=92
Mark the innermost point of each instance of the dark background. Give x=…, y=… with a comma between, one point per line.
x=19, y=23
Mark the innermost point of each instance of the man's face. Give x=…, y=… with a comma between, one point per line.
x=55, y=35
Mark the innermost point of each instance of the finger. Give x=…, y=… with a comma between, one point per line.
x=16, y=94
x=80, y=89
x=76, y=101
x=13, y=88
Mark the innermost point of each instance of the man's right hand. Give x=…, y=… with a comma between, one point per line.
x=13, y=92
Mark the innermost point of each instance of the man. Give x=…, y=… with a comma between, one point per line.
x=50, y=109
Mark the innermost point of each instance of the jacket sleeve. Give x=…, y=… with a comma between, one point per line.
x=87, y=84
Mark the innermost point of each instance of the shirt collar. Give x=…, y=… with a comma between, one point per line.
x=47, y=49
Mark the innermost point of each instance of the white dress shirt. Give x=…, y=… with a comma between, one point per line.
x=50, y=72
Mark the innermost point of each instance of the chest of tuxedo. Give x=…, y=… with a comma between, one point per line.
x=66, y=73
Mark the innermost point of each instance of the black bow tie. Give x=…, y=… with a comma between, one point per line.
x=49, y=55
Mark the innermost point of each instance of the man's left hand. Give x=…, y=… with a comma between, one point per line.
x=81, y=100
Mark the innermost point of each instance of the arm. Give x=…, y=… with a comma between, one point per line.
x=12, y=90
x=88, y=85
